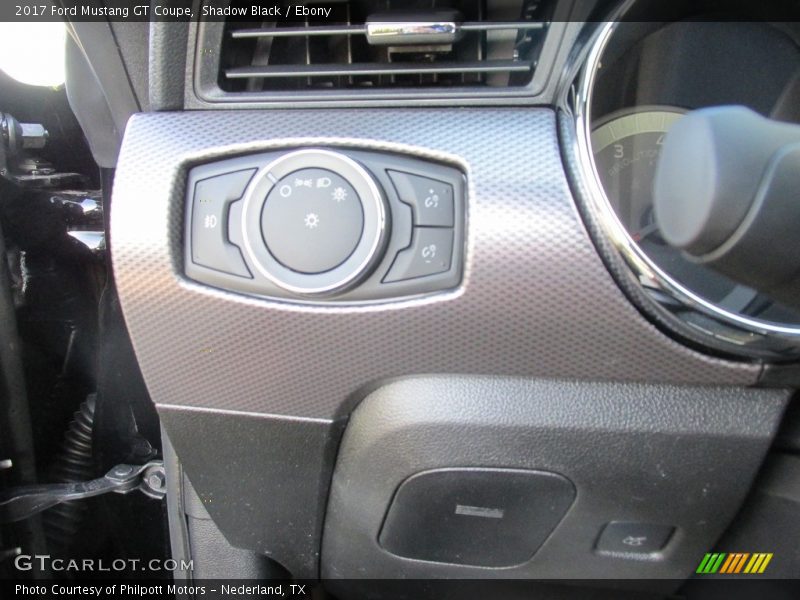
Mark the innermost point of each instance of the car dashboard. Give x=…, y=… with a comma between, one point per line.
x=386, y=295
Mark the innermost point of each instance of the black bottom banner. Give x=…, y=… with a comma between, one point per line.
x=342, y=589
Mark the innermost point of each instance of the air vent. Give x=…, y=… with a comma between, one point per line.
x=375, y=44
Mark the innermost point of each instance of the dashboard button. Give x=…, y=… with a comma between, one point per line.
x=432, y=200
x=312, y=220
x=633, y=538
x=479, y=517
x=212, y=199
x=431, y=252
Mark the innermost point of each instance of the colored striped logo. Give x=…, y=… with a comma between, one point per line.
x=734, y=562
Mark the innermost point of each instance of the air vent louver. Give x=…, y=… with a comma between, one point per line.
x=443, y=43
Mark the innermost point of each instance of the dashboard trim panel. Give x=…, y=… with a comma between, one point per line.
x=535, y=300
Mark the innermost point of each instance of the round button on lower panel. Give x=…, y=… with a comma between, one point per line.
x=312, y=220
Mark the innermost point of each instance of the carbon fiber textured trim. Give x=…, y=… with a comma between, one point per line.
x=536, y=299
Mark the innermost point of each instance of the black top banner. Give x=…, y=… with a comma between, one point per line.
x=322, y=11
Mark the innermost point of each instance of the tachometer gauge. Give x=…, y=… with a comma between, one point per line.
x=615, y=155
x=626, y=146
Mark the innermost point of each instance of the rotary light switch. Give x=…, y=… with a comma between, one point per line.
x=314, y=221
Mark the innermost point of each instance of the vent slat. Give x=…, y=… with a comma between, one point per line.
x=488, y=66
x=298, y=31
x=500, y=25
x=362, y=30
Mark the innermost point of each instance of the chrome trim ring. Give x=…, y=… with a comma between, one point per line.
x=359, y=261
x=736, y=333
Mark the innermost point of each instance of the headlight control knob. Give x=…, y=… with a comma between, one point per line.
x=314, y=221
